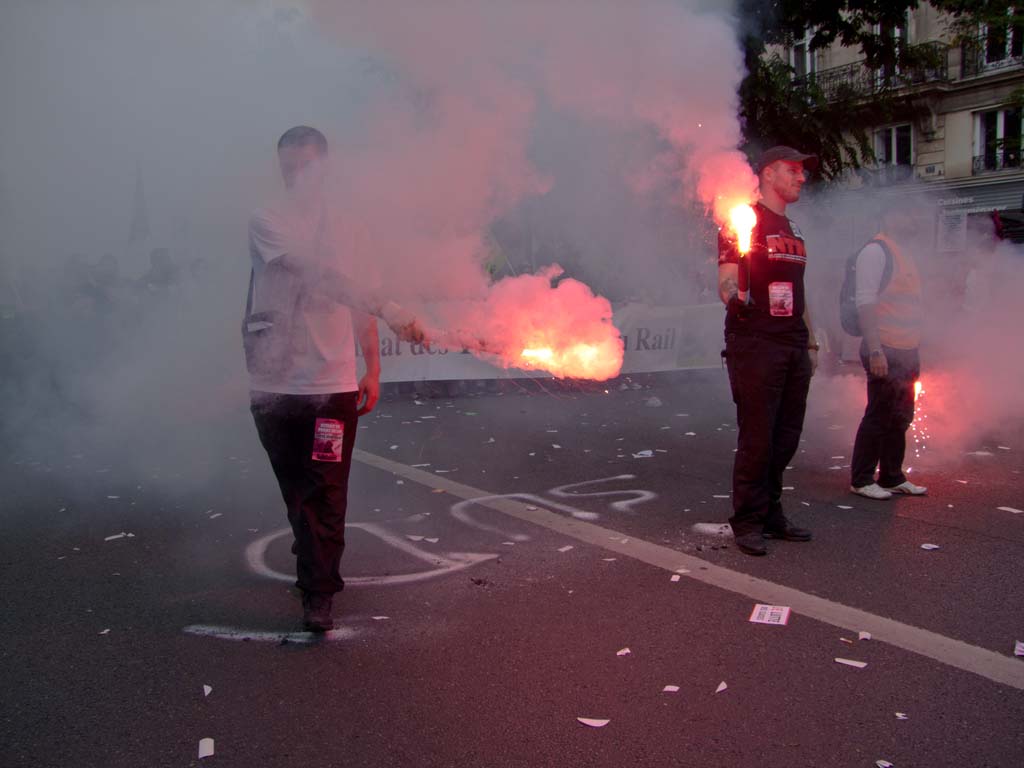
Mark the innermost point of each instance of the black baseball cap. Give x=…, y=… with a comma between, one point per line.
x=781, y=152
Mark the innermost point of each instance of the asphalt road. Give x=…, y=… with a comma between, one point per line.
x=475, y=634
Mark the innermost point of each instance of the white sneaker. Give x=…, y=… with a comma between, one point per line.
x=873, y=491
x=908, y=488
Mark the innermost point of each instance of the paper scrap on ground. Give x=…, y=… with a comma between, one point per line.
x=721, y=687
x=863, y=635
x=770, y=614
x=883, y=764
x=592, y=722
x=1018, y=648
x=675, y=577
x=556, y=446
x=410, y=537
x=432, y=541
x=205, y=748
x=852, y=663
x=980, y=453
x=902, y=716
x=930, y=546
x=120, y=535
x=1012, y=510
x=645, y=454
x=609, y=559
x=670, y=689
x=207, y=690
x=105, y=632
x=216, y=515
x=380, y=618
x=623, y=652
x=712, y=529
x=843, y=506
x=566, y=548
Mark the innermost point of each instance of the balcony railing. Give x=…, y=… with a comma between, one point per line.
x=856, y=80
x=993, y=52
x=1002, y=160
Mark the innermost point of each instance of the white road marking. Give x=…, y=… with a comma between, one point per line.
x=256, y=558
x=262, y=636
x=626, y=505
x=947, y=650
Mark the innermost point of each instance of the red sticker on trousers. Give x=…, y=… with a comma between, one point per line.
x=327, y=438
x=780, y=299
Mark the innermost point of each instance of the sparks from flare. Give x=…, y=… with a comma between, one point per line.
x=919, y=426
x=742, y=220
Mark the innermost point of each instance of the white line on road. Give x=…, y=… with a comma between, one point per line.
x=955, y=653
x=262, y=636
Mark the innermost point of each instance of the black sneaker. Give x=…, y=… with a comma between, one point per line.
x=316, y=612
x=752, y=544
x=787, y=532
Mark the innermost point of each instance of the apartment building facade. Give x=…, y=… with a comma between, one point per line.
x=961, y=136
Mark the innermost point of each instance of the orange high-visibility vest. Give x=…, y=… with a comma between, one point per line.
x=899, y=305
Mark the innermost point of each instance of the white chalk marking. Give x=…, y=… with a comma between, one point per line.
x=947, y=650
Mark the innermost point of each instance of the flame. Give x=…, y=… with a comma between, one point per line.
x=918, y=389
x=576, y=360
x=742, y=220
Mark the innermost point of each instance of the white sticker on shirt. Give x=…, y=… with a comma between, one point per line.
x=327, y=439
x=780, y=299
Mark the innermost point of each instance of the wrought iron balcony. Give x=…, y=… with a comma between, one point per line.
x=1000, y=160
x=858, y=81
x=998, y=51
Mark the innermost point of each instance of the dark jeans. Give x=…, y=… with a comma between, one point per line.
x=769, y=386
x=882, y=436
x=315, y=492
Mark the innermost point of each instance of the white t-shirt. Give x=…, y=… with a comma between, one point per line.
x=870, y=267
x=323, y=360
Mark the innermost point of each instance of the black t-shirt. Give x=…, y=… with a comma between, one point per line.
x=776, y=263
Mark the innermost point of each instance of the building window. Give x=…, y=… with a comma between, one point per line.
x=894, y=146
x=1004, y=42
x=900, y=36
x=802, y=58
x=997, y=139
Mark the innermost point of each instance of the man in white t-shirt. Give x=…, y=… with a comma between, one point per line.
x=303, y=316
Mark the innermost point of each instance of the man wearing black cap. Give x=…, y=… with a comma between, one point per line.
x=769, y=349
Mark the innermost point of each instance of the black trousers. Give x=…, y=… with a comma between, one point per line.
x=315, y=491
x=769, y=386
x=882, y=436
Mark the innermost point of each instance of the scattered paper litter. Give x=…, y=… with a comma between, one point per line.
x=120, y=535
x=962, y=482
x=1003, y=447
x=846, y=640
x=105, y=632
x=531, y=509
x=207, y=690
x=721, y=496
x=566, y=548
x=432, y=541
x=623, y=652
x=392, y=447
x=675, y=577
x=380, y=618
x=421, y=465
x=851, y=663
x=929, y=546
x=838, y=457
x=556, y=446
x=670, y=689
x=609, y=559
x=883, y=764
x=645, y=454
x=863, y=635
x=691, y=434
x=1013, y=510
x=509, y=543
x=205, y=748
x=410, y=537
x=592, y=722
x=216, y=515
x=835, y=467
x=902, y=716
x=843, y=506
x=1018, y=648
x=721, y=687
x=770, y=614
x=788, y=488
x=980, y=453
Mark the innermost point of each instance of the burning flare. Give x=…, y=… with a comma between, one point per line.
x=742, y=220
x=530, y=324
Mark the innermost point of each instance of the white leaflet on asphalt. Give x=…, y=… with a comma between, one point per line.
x=883, y=764
x=593, y=722
x=556, y=446
x=691, y=434
x=1012, y=510
x=670, y=689
x=863, y=635
x=509, y=543
x=805, y=503
x=392, y=447
x=851, y=663
x=645, y=454
x=380, y=618
x=846, y=640
x=902, y=716
x=712, y=529
x=1003, y=447
x=105, y=632
x=843, y=506
x=675, y=577
x=930, y=546
x=566, y=548
x=835, y=467
x=410, y=537
x=421, y=465
x=216, y=515
x=207, y=690
x=432, y=541
x=962, y=482
x=682, y=570
x=1018, y=648
x=120, y=535
x=623, y=652
x=721, y=496
x=788, y=488
x=205, y=748
x=721, y=687
x=531, y=509
x=609, y=559
x=770, y=614
x=838, y=457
